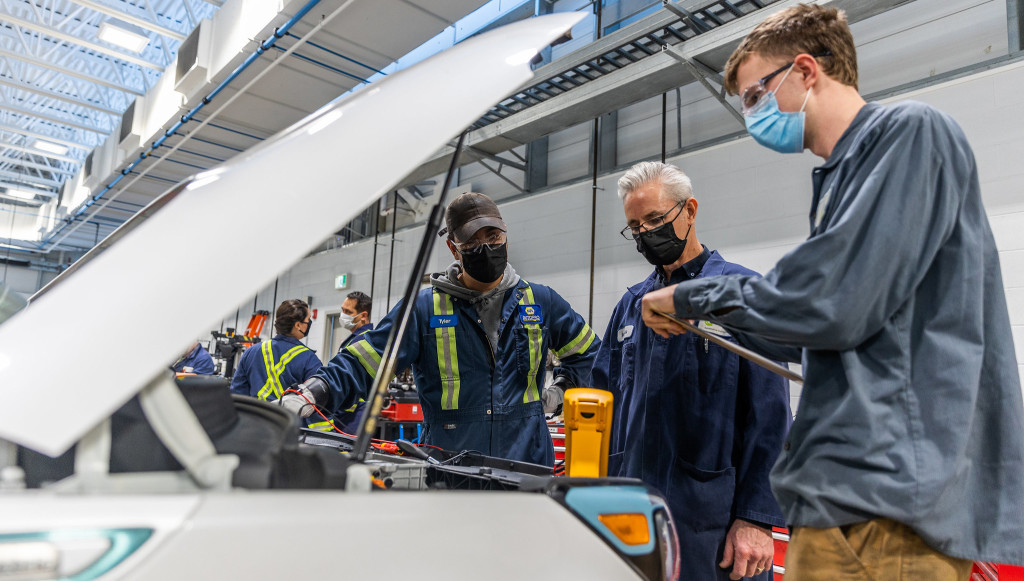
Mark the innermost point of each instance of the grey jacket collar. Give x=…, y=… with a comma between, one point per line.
x=448, y=282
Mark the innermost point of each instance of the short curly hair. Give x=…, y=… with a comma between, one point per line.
x=802, y=29
x=363, y=302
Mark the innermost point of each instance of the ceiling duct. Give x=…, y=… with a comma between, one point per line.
x=195, y=56
x=131, y=135
x=87, y=166
x=97, y=166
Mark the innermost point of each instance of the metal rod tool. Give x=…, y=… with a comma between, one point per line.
x=737, y=349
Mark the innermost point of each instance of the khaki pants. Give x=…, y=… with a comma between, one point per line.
x=876, y=550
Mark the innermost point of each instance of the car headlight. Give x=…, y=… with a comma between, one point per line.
x=81, y=554
x=629, y=516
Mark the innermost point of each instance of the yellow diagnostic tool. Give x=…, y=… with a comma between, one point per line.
x=588, y=430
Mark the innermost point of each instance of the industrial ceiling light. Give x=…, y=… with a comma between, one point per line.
x=49, y=147
x=20, y=194
x=124, y=35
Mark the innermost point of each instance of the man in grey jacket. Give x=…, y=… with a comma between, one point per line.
x=906, y=458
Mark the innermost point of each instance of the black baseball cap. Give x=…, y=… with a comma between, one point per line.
x=469, y=213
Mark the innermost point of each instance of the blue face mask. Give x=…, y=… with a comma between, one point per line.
x=778, y=131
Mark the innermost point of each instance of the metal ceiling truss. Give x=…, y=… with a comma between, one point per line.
x=60, y=83
x=23, y=161
x=23, y=121
x=635, y=62
x=704, y=74
x=29, y=179
x=65, y=97
x=502, y=163
x=87, y=65
x=62, y=231
x=42, y=154
x=23, y=26
x=681, y=25
x=41, y=109
x=6, y=125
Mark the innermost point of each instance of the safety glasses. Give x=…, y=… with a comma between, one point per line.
x=497, y=238
x=753, y=95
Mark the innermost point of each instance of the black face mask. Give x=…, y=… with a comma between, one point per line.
x=486, y=263
x=661, y=246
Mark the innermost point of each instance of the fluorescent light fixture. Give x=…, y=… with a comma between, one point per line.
x=124, y=35
x=21, y=194
x=50, y=147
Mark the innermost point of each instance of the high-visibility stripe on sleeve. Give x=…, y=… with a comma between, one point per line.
x=579, y=344
x=535, y=341
x=447, y=354
x=327, y=426
x=355, y=406
x=366, y=355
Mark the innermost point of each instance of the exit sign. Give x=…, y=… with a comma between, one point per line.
x=341, y=281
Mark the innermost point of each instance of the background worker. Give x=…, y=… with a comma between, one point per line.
x=195, y=360
x=355, y=317
x=477, y=343
x=268, y=368
x=697, y=422
x=906, y=458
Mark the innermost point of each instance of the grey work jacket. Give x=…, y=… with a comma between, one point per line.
x=911, y=408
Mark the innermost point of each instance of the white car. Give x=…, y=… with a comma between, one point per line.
x=158, y=479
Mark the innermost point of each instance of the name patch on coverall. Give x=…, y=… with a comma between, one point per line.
x=437, y=321
x=624, y=333
x=530, y=314
x=714, y=329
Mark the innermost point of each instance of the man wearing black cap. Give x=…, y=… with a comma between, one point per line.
x=477, y=344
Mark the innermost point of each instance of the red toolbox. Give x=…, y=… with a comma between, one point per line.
x=557, y=431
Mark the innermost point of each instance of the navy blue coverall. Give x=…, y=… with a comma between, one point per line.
x=473, y=398
x=198, y=359
x=695, y=421
x=347, y=420
x=267, y=369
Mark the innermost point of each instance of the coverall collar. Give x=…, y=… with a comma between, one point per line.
x=688, y=270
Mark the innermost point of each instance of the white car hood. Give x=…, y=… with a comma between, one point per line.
x=85, y=347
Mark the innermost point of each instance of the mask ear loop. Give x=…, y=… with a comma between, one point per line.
x=783, y=79
x=807, y=96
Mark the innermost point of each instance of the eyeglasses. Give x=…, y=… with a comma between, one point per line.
x=751, y=96
x=633, y=232
x=496, y=238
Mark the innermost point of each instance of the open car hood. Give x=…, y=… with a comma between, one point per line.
x=90, y=343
